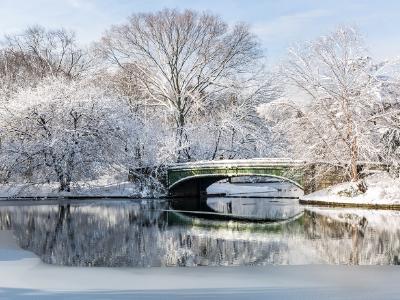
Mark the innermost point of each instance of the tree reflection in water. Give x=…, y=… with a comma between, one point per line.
x=143, y=234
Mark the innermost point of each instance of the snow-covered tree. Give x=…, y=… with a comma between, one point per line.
x=28, y=57
x=229, y=127
x=182, y=60
x=233, y=127
x=331, y=94
x=387, y=113
x=60, y=131
x=47, y=52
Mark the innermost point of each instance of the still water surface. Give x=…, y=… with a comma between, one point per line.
x=231, y=231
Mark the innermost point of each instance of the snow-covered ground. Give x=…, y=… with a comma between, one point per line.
x=381, y=189
x=105, y=186
x=23, y=275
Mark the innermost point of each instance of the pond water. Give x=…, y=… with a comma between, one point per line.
x=234, y=230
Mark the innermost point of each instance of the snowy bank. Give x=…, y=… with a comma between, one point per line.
x=379, y=189
x=107, y=186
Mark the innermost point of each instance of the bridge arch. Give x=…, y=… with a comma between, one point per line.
x=192, y=180
x=195, y=186
x=211, y=178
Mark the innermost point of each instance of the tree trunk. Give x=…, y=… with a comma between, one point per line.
x=354, y=160
x=182, y=155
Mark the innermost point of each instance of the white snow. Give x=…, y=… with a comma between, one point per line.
x=273, y=161
x=105, y=186
x=381, y=189
x=238, y=189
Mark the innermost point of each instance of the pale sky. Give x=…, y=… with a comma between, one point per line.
x=278, y=23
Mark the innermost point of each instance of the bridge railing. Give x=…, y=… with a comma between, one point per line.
x=287, y=162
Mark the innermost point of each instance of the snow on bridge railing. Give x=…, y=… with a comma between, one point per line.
x=287, y=162
x=283, y=162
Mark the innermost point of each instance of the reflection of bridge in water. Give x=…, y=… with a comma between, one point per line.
x=192, y=179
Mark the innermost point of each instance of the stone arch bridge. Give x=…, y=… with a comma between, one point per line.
x=192, y=179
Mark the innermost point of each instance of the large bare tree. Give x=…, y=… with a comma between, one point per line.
x=181, y=59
